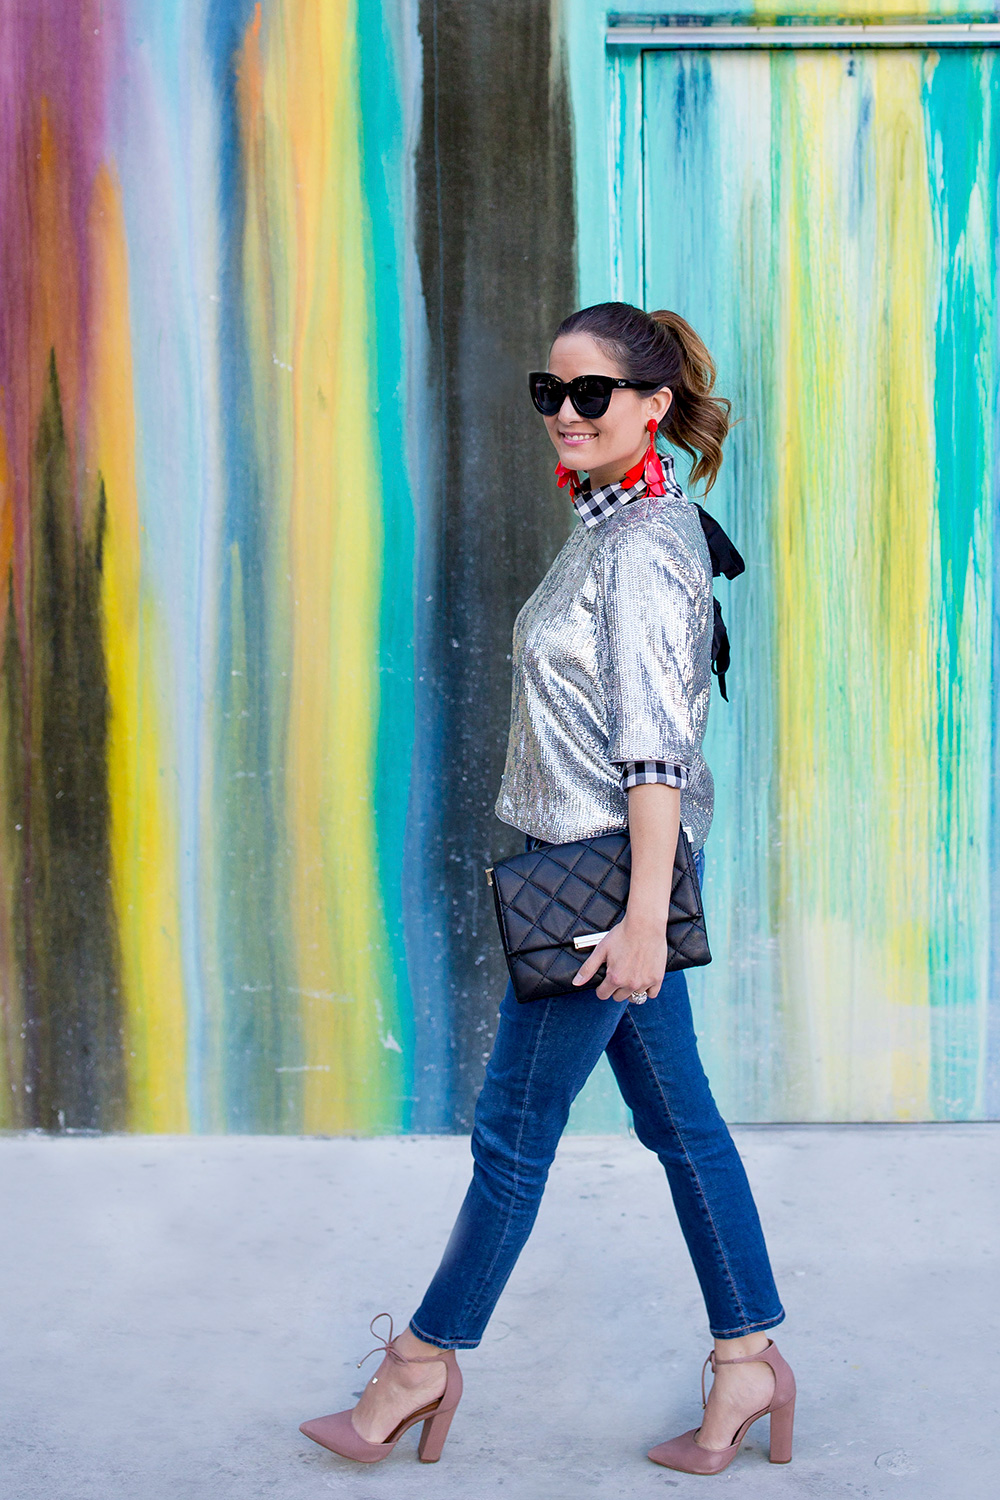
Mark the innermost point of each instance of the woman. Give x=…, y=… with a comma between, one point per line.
x=612, y=675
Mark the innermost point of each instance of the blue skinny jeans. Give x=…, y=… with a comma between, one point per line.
x=543, y=1054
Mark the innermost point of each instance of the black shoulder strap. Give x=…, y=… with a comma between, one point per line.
x=725, y=559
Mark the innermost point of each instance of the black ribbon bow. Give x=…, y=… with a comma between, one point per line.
x=726, y=560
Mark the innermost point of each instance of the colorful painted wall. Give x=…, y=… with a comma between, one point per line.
x=270, y=498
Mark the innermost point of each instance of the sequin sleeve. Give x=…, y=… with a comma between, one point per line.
x=654, y=631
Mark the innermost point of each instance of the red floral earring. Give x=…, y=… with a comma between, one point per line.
x=652, y=470
x=569, y=477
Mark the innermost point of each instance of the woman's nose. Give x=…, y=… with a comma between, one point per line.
x=568, y=412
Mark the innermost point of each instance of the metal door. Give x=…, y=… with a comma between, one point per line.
x=827, y=220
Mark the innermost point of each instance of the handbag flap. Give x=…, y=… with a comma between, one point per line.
x=546, y=897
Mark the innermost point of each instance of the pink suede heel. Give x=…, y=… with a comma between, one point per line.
x=338, y=1433
x=688, y=1457
x=433, y=1436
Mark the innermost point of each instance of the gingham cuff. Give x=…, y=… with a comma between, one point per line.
x=639, y=772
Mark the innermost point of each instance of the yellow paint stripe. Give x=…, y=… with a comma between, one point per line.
x=143, y=811
x=855, y=591
x=301, y=122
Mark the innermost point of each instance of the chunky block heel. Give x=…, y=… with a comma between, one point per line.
x=433, y=1436
x=688, y=1456
x=781, y=1432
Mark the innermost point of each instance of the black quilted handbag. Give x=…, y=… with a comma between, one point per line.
x=554, y=903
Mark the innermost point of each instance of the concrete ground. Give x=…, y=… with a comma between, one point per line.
x=172, y=1309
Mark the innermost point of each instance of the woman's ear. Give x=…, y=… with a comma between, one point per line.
x=658, y=404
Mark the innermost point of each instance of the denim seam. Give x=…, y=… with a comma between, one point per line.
x=693, y=1169
x=737, y=1333
x=473, y=1307
x=451, y=1344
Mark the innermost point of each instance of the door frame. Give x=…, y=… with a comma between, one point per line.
x=679, y=32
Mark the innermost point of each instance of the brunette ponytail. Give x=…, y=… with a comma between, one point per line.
x=696, y=421
x=660, y=347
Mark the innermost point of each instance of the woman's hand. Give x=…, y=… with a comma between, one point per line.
x=636, y=956
x=635, y=950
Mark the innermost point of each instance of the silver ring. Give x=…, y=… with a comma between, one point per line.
x=639, y=997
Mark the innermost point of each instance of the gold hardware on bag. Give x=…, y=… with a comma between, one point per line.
x=589, y=940
x=489, y=874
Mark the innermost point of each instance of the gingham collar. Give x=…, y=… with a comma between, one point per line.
x=594, y=506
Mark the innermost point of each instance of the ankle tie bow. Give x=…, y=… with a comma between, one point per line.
x=384, y=1346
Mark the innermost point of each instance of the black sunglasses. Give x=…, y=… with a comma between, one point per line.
x=590, y=394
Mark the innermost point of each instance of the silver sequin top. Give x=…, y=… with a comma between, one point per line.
x=612, y=663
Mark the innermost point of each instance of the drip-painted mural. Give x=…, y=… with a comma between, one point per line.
x=271, y=495
x=256, y=347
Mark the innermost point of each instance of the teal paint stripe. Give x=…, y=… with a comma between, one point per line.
x=964, y=87
x=385, y=164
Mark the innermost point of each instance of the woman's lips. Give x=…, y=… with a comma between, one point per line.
x=571, y=439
